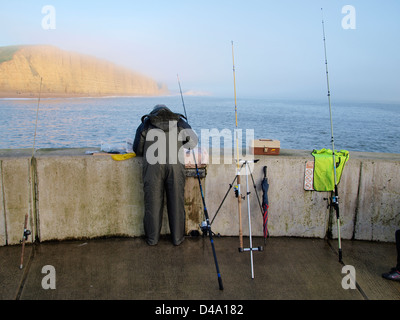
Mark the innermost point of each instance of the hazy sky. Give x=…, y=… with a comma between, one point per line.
x=278, y=44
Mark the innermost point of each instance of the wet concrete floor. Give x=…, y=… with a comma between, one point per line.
x=129, y=269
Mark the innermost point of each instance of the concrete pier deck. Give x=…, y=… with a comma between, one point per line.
x=129, y=269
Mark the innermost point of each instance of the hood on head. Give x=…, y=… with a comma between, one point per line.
x=161, y=116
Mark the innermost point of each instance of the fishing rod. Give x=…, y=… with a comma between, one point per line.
x=335, y=198
x=237, y=187
x=27, y=232
x=206, y=226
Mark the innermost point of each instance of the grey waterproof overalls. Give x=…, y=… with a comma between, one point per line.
x=160, y=139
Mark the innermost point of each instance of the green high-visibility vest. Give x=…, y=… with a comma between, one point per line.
x=324, y=179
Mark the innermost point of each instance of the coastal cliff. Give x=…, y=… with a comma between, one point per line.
x=67, y=73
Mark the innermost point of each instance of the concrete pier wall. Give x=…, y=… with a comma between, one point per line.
x=70, y=195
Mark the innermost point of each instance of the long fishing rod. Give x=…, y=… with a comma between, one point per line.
x=207, y=228
x=27, y=232
x=335, y=198
x=237, y=187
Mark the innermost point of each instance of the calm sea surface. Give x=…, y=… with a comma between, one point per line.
x=86, y=122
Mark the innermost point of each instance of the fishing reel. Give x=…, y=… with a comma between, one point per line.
x=206, y=228
x=25, y=235
x=236, y=189
x=333, y=202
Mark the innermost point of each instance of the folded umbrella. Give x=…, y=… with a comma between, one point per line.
x=265, y=205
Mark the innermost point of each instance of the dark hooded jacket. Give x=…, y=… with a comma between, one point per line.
x=170, y=123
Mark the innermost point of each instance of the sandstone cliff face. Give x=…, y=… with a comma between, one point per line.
x=67, y=73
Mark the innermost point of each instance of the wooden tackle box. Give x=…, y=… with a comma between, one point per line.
x=265, y=147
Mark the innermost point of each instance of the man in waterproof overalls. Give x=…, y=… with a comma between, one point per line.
x=161, y=139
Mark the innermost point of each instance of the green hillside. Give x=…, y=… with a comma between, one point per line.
x=6, y=53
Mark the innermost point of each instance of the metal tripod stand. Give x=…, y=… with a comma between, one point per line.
x=250, y=249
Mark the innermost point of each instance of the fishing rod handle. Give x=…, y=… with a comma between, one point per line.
x=221, y=286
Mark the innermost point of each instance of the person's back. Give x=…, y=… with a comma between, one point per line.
x=161, y=139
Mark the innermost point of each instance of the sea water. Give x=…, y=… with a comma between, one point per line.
x=89, y=122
